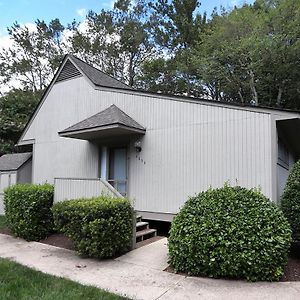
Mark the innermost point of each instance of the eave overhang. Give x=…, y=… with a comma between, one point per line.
x=112, y=130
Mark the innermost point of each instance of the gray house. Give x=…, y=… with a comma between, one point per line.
x=14, y=168
x=91, y=134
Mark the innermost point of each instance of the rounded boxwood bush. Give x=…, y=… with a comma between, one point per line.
x=99, y=227
x=230, y=232
x=290, y=201
x=28, y=210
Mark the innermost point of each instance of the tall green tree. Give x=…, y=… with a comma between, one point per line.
x=251, y=54
x=283, y=29
x=34, y=55
x=15, y=109
x=175, y=27
x=117, y=40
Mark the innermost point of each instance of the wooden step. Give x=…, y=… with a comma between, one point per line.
x=146, y=233
x=138, y=218
x=142, y=225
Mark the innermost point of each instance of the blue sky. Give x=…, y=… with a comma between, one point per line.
x=27, y=11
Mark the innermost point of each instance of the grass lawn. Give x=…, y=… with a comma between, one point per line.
x=21, y=283
x=2, y=222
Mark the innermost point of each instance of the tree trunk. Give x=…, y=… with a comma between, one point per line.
x=131, y=69
x=279, y=96
x=252, y=87
x=241, y=95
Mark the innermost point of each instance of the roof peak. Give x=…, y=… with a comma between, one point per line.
x=97, y=76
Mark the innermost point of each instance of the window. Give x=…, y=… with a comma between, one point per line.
x=283, y=154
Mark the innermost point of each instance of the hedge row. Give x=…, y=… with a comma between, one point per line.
x=99, y=227
x=290, y=201
x=227, y=232
x=28, y=210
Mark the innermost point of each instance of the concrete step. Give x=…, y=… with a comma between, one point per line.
x=149, y=241
x=142, y=225
x=146, y=233
x=138, y=218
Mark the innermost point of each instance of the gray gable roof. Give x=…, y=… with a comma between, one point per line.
x=12, y=162
x=110, y=116
x=98, y=77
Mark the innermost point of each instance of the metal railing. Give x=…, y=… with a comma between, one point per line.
x=76, y=188
x=119, y=185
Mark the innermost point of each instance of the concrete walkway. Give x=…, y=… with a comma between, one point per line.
x=138, y=274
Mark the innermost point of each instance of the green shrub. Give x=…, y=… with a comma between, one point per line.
x=230, y=232
x=290, y=201
x=99, y=227
x=28, y=210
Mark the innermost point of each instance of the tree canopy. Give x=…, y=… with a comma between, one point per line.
x=15, y=109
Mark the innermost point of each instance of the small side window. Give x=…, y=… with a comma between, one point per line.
x=283, y=154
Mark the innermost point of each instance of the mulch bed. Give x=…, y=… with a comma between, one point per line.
x=6, y=231
x=58, y=240
x=292, y=270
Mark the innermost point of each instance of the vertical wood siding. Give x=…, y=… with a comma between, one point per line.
x=6, y=179
x=186, y=149
x=76, y=188
x=24, y=174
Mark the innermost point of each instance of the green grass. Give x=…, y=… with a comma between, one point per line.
x=2, y=222
x=21, y=283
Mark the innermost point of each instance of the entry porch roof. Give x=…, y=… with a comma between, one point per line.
x=109, y=122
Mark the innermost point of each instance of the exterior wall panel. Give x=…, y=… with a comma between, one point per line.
x=76, y=188
x=186, y=149
x=6, y=180
x=24, y=174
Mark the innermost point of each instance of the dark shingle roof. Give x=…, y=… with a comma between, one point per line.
x=98, y=77
x=12, y=162
x=110, y=116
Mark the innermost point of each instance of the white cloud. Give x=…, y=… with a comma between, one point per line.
x=5, y=41
x=83, y=26
x=81, y=12
x=31, y=26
